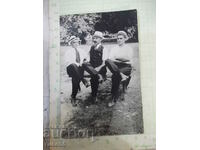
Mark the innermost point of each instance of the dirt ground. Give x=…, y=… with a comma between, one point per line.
x=125, y=117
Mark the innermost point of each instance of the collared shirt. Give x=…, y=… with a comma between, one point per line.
x=70, y=56
x=121, y=52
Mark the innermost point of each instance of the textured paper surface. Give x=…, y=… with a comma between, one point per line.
x=146, y=29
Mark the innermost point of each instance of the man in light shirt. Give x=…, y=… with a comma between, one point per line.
x=119, y=62
x=75, y=57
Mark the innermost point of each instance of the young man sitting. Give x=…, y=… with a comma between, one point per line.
x=119, y=62
x=74, y=67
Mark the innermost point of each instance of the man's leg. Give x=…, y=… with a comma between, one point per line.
x=103, y=72
x=112, y=66
x=116, y=79
x=120, y=72
x=126, y=69
x=75, y=87
x=90, y=69
x=84, y=81
x=94, y=79
x=94, y=85
x=73, y=71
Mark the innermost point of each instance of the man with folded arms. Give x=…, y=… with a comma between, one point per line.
x=119, y=62
x=75, y=56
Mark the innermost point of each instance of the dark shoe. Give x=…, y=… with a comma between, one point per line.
x=124, y=87
x=86, y=83
x=94, y=99
x=122, y=96
x=110, y=104
x=113, y=101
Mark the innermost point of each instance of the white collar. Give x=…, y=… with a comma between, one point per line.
x=98, y=45
x=122, y=45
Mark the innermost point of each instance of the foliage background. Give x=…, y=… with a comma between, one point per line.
x=84, y=25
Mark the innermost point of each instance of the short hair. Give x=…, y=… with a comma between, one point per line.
x=123, y=33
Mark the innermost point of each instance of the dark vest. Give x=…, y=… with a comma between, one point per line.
x=96, y=56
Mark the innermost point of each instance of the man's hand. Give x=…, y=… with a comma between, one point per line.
x=115, y=60
x=128, y=63
x=124, y=62
x=98, y=68
x=122, y=59
x=78, y=64
x=85, y=60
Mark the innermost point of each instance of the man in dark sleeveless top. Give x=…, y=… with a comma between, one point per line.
x=96, y=66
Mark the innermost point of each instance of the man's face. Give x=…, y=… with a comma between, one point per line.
x=75, y=43
x=96, y=40
x=120, y=40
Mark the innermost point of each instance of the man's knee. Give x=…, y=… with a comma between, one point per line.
x=94, y=78
x=84, y=64
x=73, y=65
x=71, y=69
x=108, y=61
x=116, y=77
x=127, y=70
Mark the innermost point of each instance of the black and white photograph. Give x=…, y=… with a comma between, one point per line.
x=100, y=87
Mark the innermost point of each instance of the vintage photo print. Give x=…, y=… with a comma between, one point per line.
x=100, y=74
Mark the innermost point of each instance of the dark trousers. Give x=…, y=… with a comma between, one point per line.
x=116, y=68
x=77, y=75
x=94, y=76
